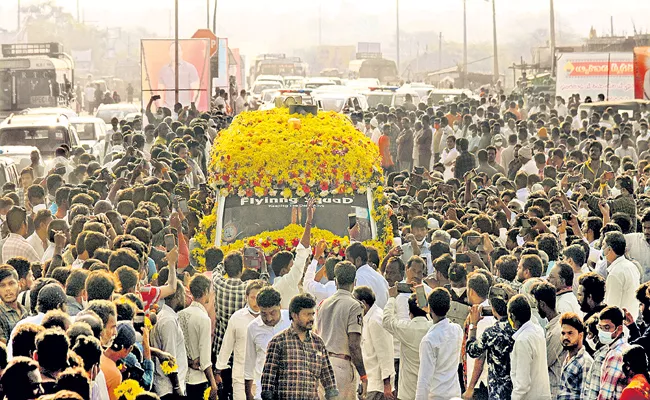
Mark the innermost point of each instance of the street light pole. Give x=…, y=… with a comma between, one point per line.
x=176, y=52
x=18, y=18
x=494, y=38
x=464, y=43
x=397, y=32
x=207, y=16
x=552, y=6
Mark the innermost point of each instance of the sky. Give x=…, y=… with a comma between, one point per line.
x=281, y=25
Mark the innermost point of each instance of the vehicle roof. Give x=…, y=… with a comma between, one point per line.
x=267, y=83
x=27, y=120
x=85, y=119
x=118, y=106
x=49, y=111
x=7, y=160
x=337, y=94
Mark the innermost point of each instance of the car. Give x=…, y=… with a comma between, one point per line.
x=22, y=134
x=49, y=111
x=92, y=134
x=341, y=102
x=294, y=82
x=270, y=78
x=8, y=171
x=315, y=83
x=106, y=112
x=445, y=95
x=260, y=86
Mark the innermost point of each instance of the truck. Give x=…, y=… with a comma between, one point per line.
x=277, y=64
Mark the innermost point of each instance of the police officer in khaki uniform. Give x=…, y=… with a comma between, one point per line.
x=340, y=322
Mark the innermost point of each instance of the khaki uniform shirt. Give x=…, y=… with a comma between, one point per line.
x=338, y=316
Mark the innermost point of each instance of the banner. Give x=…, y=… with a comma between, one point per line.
x=591, y=74
x=158, y=76
x=642, y=73
x=221, y=81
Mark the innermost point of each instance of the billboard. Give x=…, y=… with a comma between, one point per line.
x=158, y=75
x=221, y=81
x=591, y=74
x=642, y=73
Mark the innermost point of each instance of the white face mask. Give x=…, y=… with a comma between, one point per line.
x=605, y=337
x=250, y=310
x=591, y=343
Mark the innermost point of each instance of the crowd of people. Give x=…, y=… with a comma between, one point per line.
x=519, y=270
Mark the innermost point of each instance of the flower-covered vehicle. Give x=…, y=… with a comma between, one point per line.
x=268, y=163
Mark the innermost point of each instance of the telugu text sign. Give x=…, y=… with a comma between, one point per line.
x=591, y=74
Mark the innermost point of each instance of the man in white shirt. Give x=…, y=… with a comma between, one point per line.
x=39, y=239
x=311, y=282
x=439, y=352
x=575, y=256
x=240, y=103
x=508, y=154
x=196, y=326
x=261, y=330
x=357, y=254
x=528, y=368
x=16, y=245
x=638, y=247
x=416, y=243
x=623, y=276
x=408, y=333
x=626, y=149
x=376, y=346
x=234, y=341
x=561, y=277
x=529, y=166
x=288, y=270
x=478, y=288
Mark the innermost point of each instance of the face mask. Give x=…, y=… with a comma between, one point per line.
x=605, y=338
x=520, y=241
x=615, y=192
x=250, y=310
x=592, y=343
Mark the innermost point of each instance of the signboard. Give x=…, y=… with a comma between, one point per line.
x=591, y=74
x=642, y=73
x=249, y=216
x=207, y=34
x=158, y=76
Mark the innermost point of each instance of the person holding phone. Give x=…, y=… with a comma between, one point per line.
x=416, y=244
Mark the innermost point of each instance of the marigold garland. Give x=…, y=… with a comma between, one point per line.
x=128, y=390
x=168, y=367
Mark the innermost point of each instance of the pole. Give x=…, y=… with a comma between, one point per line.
x=552, y=6
x=176, y=52
x=207, y=17
x=464, y=43
x=397, y=31
x=494, y=38
x=214, y=17
x=320, y=23
x=440, y=51
x=611, y=24
x=78, y=19
x=18, y=19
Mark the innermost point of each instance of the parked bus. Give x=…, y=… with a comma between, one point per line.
x=35, y=75
x=379, y=68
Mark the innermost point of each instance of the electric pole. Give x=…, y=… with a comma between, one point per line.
x=464, y=43
x=440, y=51
x=552, y=6
x=494, y=38
x=207, y=9
x=176, y=51
x=397, y=32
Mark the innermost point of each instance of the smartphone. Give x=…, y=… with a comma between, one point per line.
x=421, y=296
x=486, y=311
x=566, y=216
x=416, y=180
x=525, y=223
x=251, y=258
x=462, y=258
x=471, y=174
x=155, y=97
x=138, y=321
x=182, y=206
x=352, y=220
x=170, y=242
x=473, y=242
x=412, y=191
x=418, y=170
x=403, y=287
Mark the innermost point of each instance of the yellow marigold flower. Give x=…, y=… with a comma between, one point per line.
x=128, y=389
x=168, y=367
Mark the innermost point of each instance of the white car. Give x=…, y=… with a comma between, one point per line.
x=92, y=134
x=344, y=102
x=437, y=95
x=106, y=112
x=49, y=111
x=315, y=83
x=261, y=86
x=270, y=78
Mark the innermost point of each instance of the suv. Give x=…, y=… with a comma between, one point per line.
x=21, y=134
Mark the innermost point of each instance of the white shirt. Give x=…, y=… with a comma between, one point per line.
x=196, y=326
x=167, y=336
x=377, y=350
x=530, y=167
x=623, y=278
x=17, y=246
x=425, y=253
x=99, y=389
x=234, y=340
x=638, y=249
x=409, y=334
x=287, y=284
x=367, y=276
x=439, y=359
x=528, y=368
x=48, y=253
x=522, y=195
x=37, y=244
x=568, y=302
x=447, y=158
x=318, y=290
x=257, y=341
x=482, y=325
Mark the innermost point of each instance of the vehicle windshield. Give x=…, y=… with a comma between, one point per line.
x=268, y=96
x=32, y=89
x=246, y=217
x=259, y=87
x=316, y=85
x=332, y=104
x=400, y=98
x=107, y=114
x=46, y=139
x=375, y=99
x=85, y=130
